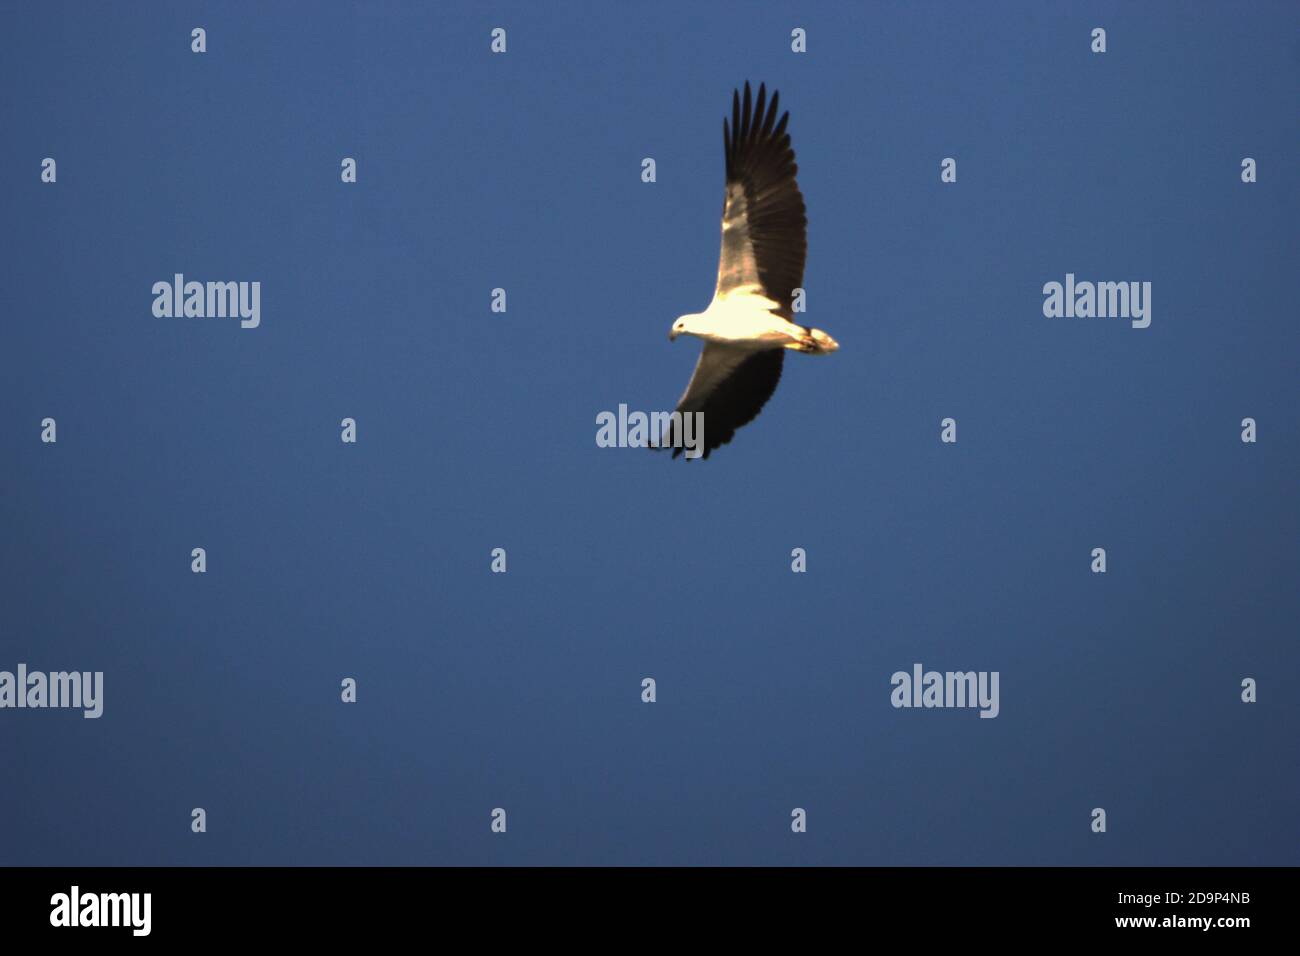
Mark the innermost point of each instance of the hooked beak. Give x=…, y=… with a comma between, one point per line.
x=672, y=335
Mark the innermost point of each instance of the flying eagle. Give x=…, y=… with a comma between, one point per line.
x=749, y=324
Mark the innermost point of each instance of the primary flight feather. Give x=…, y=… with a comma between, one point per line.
x=749, y=324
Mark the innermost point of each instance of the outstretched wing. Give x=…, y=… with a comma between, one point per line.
x=764, y=226
x=730, y=386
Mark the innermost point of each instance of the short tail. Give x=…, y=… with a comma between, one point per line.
x=816, y=342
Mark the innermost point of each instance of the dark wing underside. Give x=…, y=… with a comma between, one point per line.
x=730, y=386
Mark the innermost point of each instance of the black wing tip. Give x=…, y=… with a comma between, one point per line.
x=704, y=456
x=736, y=95
x=753, y=124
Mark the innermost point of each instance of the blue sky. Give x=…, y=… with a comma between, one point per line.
x=476, y=431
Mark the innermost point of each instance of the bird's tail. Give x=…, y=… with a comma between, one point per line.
x=816, y=342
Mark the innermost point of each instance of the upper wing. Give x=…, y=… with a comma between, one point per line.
x=764, y=227
x=730, y=386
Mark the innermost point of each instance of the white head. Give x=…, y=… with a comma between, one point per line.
x=685, y=325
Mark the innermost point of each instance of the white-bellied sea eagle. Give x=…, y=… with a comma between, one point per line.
x=750, y=322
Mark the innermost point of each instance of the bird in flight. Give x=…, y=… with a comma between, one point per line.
x=749, y=325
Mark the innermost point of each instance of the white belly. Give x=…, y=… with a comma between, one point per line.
x=747, y=320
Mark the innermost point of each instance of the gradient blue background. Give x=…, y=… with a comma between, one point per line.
x=476, y=430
